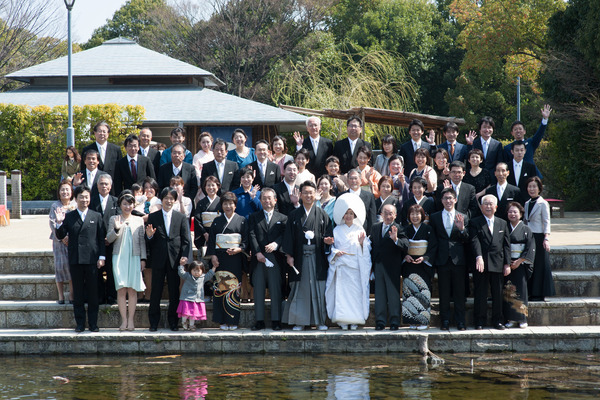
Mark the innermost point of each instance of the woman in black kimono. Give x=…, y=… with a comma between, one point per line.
x=522, y=253
x=417, y=270
x=417, y=188
x=227, y=244
x=206, y=211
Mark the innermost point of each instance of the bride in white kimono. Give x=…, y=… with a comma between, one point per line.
x=347, y=287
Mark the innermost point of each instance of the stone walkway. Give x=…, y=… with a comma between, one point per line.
x=32, y=232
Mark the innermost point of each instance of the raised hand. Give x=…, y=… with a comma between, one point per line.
x=77, y=179
x=361, y=237
x=546, y=111
x=459, y=222
x=118, y=222
x=430, y=137
x=215, y=262
x=295, y=196
x=150, y=231
x=470, y=137
x=447, y=183
x=393, y=233
x=298, y=138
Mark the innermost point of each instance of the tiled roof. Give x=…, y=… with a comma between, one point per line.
x=116, y=58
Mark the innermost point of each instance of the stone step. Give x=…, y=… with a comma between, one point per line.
x=562, y=258
x=557, y=311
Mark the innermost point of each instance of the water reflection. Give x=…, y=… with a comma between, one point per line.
x=330, y=376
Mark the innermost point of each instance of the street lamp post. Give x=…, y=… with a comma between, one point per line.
x=70, y=130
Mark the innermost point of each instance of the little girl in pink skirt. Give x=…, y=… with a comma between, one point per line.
x=191, y=300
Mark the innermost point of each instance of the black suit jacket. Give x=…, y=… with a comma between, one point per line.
x=511, y=193
x=167, y=250
x=272, y=175
x=495, y=249
x=86, y=238
x=316, y=163
x=466, y=202
x=342, y=151
x=154, y=156
x=495, y=154
x=113, y=153
x=262, y=234
x=112, y=208
x=370, y=208
x=123, y=178
x=527, y=171
x=452, y=247
x=284, y=204
x=384, y=250
x=186, y=171
x=408, y=153
x=231, y=180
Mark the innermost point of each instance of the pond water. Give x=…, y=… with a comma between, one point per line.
x=328, y=376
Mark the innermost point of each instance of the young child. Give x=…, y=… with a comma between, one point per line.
x=140, y=199
x=191, y=300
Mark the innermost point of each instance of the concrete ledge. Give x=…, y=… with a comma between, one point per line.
x=214, y=341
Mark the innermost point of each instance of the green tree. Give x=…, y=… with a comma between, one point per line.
x=128, y=21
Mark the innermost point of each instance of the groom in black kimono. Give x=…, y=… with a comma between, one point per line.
x=308, y=235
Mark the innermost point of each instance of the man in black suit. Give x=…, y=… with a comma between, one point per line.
x=346, y=150
x=147, y=151
x=491, y=148
x=504, y=192
x=388, y=247
x=134, y=168
x=490, y=242
x=106, y=205
x=109, y=152
x=90, y=174
x=319, y=147
x=450, y=228
x=288, y=195
x=267, y=173
x=367, y=198
x=225, y=171
x=519, y=170
x=407, y=149
x=266, y=236
x=86, y=256
x=466, y=201
x=176, y=167
x=168, y=238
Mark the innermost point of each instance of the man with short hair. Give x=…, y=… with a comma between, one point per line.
x=87, y=254
x=450, y=228
x=407, y=149
x=346, y=150
x=106, y=205
x=389, y=245
x=319, y=147
x=288, y=195
x=177, y=136
x=90, y=173
x=490, y=243
x=456, y=151
x=308, y=235
x=267, y=228
x=466, y=199
x=108, y=152
x=176, y=167
x=367, y=198
x=517, y=130
x=267, y=173
x=519, y=170
x=148, y=151
x=491, y=148
x=226, y=171
x=133, y=168
x=504, y=191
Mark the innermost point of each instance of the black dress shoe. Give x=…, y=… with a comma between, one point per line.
x=94, y=329
x=153, y=329
x=276, y=325
x=380, y=327
x=445, y=325
x=259, y=325
x=174, y=328
x=393, y=327
x=79, y=329
x=500, y=327
x=60, y=301
x=479, y=327
x=461, y=327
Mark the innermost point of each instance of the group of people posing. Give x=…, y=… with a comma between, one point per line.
x=320, y=230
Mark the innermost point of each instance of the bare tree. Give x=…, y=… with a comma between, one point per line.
x=29, y=34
